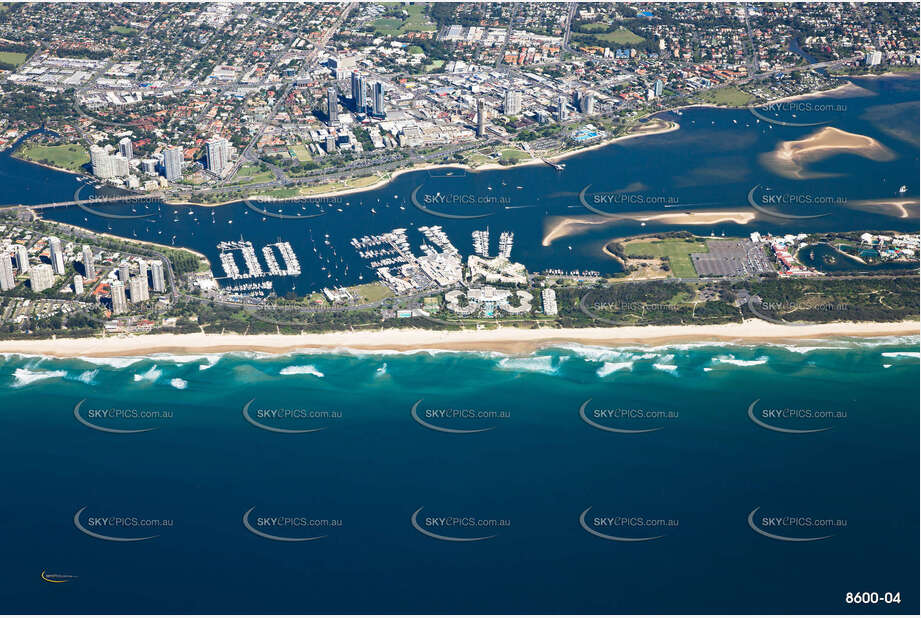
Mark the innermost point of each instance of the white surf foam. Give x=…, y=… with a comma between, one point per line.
x=294, y=370
x=88, y=377
x=24, y=377
x=151, y=375
x=115, y=362
x=178, y=383
x=902, y=354
x=536, y=364
x=609, y=368
x=729, y=359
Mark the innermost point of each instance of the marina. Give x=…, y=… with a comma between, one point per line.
x=440, y=263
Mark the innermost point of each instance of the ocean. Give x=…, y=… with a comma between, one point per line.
x=668, y=450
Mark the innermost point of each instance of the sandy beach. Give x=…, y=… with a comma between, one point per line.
x=508, y=340
x=561, y=227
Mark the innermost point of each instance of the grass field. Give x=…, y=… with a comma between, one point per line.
x=122, y=30
x=370, y=292
x=676, y=250
x=434, y=65
x=729, y=95
x=248, y=170
x=479, y=159
x=329, y=187
x=621, y=36
x=251, y=174
x=66, y=156
x=388, y=26
x=300, y=151
x=416, y=21
x=594, y=27
x=12, y=58
x=514, y=155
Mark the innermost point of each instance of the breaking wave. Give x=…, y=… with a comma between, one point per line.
x=296, y=370
x=24, y=377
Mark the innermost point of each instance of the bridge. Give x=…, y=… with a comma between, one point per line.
x=95, y=200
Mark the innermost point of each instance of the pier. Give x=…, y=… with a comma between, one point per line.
x=557, y=166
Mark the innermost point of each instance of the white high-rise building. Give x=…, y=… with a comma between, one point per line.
x=217, y=154
x=172, y=163
x=119, y=302
x=120, y=165
x=57, y=255
x=138, y=288
x=873, y=58
x=332, y=105
x=561, y=108
x=78, y=284
x=377, y=102
x=22, y=258
x=157, y=278
x=126, y=148
x=142, y=275
x=89, y=263
x=103, y=167
x=512, y=106
x=587, y=103
x=41, y=277
x=7, y=279
x=123, y=272
x=149, y=166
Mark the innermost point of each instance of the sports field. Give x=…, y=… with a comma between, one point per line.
x=677, y=250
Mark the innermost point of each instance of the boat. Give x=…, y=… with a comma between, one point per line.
x=902, y=190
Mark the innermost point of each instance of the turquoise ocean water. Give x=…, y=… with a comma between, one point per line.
x=378, y=482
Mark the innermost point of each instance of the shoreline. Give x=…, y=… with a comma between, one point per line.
x=384, y=181
x=391, y=176
x=503, y=339
x=671, y=126
x=134, y=241
x=13, y=155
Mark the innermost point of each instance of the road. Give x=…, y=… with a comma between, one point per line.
x=95, y=200
x=308, y=61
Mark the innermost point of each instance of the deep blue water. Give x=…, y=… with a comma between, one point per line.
x=712, y=162
x=538, y=470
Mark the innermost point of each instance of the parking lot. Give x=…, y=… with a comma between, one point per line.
x=732, y=258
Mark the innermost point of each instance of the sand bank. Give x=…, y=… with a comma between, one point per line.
x=560, y=227
x=790, y=159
